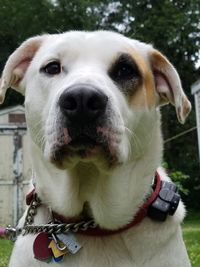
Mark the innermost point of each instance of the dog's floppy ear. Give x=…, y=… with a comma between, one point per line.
x=168, y=85
x=17, y=65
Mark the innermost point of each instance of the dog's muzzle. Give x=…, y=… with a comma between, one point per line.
x=85, y=131
x=83, y=109
x=84, y=128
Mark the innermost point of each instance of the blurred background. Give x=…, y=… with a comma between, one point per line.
x=171, y=26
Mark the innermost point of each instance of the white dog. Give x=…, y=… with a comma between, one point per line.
x=92, y=108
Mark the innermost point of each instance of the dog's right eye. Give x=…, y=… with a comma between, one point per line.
x=124, y=69
x=52, y=68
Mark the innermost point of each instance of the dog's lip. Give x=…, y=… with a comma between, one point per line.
x=82, y=146
x=82, y=142
x=84, y=149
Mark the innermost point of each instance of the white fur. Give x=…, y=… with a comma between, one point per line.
x=114, y=195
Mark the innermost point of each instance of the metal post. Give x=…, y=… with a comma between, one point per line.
x=197, y=108
x=17, y=174
x=195, y=88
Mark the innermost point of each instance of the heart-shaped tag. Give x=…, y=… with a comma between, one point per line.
x=41, y=248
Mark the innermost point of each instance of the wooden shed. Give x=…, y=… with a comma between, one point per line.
x=15, y=167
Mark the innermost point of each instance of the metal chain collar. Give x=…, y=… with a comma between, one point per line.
x=57, y=227
x=52, y=227
x=32, y=210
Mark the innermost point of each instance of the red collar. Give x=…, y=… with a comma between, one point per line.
x=141, y=214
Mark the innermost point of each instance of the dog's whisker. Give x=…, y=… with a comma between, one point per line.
x=134, y=142
x=39, y=135
x=128, y=130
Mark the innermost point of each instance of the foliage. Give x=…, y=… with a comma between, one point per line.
x=179, y=178
x=170, y=25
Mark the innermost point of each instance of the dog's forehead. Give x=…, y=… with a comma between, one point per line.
x=101, y=45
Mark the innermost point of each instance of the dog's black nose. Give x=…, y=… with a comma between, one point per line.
x=82, y=103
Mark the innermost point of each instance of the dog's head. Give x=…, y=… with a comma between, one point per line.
x=87, y=95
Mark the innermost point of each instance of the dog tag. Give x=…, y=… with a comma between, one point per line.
x=41, y=248
x=57, y=252
x=58, y=259
x=70, y=242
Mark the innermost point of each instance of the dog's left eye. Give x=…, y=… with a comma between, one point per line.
x=52, y=68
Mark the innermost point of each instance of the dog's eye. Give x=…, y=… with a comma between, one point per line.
x=124, y=69
x=52, y=68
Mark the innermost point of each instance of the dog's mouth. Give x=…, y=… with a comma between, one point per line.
x=82, y=142
x=95, y=146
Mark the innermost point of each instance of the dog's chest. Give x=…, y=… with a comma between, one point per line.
x=147, y=245
x=95, y=251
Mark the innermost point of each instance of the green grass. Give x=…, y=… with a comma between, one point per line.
x=5, y=251
x=191, y=234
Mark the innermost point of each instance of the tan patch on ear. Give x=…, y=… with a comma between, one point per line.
x=18, y=72
x=150, y=88
x=2, y=95
x=17, y=65
x=168, y=85
x=3, y=88
x=145, y=93
x=183, y=110
x=186, y=107
x=158, y=59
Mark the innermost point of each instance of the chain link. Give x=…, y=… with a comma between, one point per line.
x=32, y=210
x=58, y=228
x=52, y=227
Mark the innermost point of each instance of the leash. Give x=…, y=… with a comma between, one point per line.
x=9, y=232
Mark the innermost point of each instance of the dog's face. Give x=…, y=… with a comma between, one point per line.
x=87, y=95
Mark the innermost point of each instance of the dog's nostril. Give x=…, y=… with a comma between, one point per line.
x=70, y=104
x=96, y=103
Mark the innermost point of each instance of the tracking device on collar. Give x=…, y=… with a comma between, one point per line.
x=166, y=202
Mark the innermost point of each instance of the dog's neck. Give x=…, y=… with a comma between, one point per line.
x=114, y=198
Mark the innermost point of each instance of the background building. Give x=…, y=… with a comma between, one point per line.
x=15, y=167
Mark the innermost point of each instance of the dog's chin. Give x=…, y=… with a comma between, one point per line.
x=86, y=150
